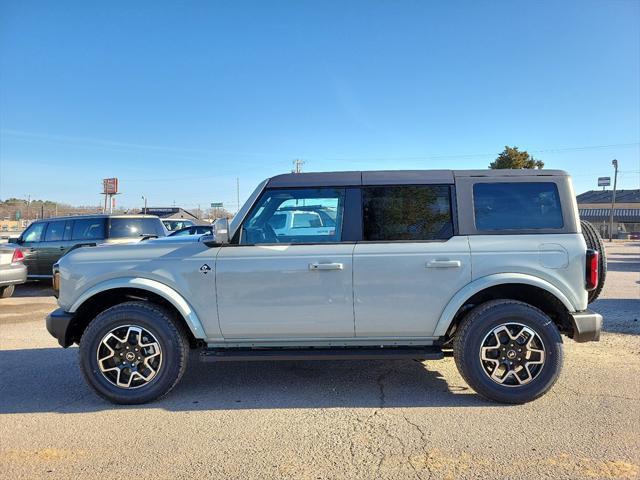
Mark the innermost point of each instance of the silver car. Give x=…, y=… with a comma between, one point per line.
x=12, y=269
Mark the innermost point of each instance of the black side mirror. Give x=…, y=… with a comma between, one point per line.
x=16, y=240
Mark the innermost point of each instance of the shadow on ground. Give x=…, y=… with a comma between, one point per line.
x=49, y=380
x=621, y=315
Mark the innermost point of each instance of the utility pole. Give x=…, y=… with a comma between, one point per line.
x=297, y=166
x=238, y=193
x=613, y=198
x=29, y=207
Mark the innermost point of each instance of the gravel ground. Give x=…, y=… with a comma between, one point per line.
x=321, y=420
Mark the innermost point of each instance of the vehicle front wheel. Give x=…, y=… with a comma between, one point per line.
x=133, y=353
x=508, y=351
x=6, y=292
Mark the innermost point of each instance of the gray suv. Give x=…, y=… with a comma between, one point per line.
x=491, y=266
x=45, y=241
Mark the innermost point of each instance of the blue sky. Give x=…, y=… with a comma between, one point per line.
x=177, y=99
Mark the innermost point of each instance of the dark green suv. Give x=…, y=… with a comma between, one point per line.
x=45, y=241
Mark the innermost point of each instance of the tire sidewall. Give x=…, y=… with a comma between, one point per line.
x=525, y=315
x=157, y=324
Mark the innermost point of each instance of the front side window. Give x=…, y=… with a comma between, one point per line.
x=55, y=231
x=517, y=206
x=305, y=215
x=34, y=232
x=405, y=213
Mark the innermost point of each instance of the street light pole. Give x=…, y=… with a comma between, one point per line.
x=145, y=204
x=613, y=198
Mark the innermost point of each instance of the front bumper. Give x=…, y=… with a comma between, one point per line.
x=58, y=325
x=586, y=326
x=13, y=274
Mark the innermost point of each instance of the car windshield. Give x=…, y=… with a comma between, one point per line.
x=134, y=227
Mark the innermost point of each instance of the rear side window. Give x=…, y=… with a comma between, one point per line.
x=55, y=231
x=517, y=206
x=88, y=229
x=411, y=212
x=134, y=227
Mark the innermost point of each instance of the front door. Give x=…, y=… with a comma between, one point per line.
x=409, y=264
x=29, y=242
x=296, y=283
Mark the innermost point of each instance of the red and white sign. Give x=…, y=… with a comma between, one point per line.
x=110, y=186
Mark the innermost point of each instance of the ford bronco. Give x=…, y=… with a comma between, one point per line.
x=490, y=265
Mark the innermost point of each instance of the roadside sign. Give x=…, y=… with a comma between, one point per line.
x=110, y=186
x=604, y=181
x=216, y=205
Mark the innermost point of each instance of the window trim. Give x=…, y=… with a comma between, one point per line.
x=452, y=209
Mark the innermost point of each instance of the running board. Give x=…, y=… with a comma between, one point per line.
x=276, y=354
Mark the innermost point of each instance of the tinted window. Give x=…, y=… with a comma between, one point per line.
x=34, y=232
x=269, y=221
x=516, y=206
x=55, y=231
x=88, y=229
x=134, y=227
x=421, y=212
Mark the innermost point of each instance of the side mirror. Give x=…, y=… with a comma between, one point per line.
x=16, y=240
x=220, y=233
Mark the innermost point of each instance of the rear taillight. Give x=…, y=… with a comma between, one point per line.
x=18, y=256
x=592, y=269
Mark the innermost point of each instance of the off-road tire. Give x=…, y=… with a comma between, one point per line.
x=479, y=322
x=594, y=242
x=173, y=343
x=6, y=292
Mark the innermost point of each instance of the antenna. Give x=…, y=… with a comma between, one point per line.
x=297, y=166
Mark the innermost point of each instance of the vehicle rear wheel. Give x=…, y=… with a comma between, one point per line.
x=594, y=242
x=508, y=351
x=133, y=353
x=6, y=292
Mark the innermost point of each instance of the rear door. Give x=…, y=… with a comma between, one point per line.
x=410, y=263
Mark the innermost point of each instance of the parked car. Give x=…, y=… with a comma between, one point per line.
x=192, y=230
x=45, y=241
x=313, y=220
x=492, y=265
x=177, y=224
x=12, y=269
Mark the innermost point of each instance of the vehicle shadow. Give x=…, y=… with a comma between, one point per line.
x=34, y=289
x=621, y=315
x=49, y=380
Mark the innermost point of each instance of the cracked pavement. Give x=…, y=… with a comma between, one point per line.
x=325, y=420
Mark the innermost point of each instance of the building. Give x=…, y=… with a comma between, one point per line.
x=595, y=207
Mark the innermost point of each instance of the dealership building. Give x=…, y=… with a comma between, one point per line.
x=595, y=207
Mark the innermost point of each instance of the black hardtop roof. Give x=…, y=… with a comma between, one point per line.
x=396, y=177
x=93, y=215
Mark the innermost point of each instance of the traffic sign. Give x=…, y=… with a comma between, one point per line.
x=604, y=181
x=216, y=205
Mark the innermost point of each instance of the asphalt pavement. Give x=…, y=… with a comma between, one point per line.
x=324, y=420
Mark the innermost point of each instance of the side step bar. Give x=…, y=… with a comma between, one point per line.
x=276, y=354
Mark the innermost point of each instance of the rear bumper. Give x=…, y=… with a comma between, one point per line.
x=13, y=274
x=58, y=323
x=586, y=326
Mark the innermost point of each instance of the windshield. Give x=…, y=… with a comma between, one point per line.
x=135, y=227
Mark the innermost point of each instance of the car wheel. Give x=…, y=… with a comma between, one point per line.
x=133, y=353
x=594, y=242
x=508, y=351
x=6, y=292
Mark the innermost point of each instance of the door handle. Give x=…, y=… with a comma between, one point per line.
x=326, y=266
x=61, y=248
x=444, y=264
